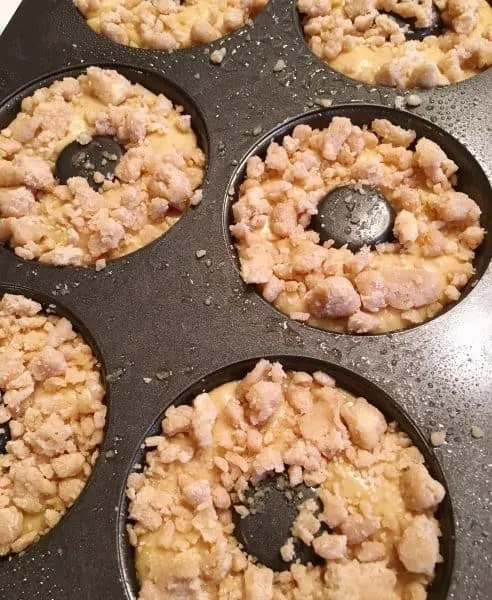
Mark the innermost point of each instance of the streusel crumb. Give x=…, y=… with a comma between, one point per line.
x=155, y=181
x=359, y=38
x=388, y=287
x=52, y=405
x=167, y=24
x=378, y=499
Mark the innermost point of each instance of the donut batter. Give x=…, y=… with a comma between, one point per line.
x=389, y=287
x=156, y=180
x=52, y=404
x=359, y=38
x=167, y=24
x=378, y=498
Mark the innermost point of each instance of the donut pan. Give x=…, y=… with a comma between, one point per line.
x=166, y=324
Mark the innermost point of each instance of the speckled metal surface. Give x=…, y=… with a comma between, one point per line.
x=163, y=311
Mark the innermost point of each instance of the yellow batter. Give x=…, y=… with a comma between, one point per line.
x=373, y=486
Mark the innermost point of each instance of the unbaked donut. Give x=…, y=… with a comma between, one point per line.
x=52, y=406
x=156, y=179
x=167, y=24
x=385, y=288
x=378, y=499
x=361, y=39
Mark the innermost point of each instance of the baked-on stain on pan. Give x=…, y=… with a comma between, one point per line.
x=163, y=318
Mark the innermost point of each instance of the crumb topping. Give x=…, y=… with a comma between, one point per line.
x=359, y=38
x=155, y=181
x=167, y=24
x=376, y=495
x=389, y=287
x=52, y=404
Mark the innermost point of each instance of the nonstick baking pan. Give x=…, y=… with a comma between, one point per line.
x=166, y=324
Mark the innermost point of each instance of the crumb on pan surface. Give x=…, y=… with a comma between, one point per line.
x=52, y=403
x=377, y=496
x=167, y=24
x=389, y=287
x=155, y=181
x=359, y=38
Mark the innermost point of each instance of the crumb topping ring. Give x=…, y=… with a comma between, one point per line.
x=366, y=508
x=95, y=167
x=167, y=24
x=52, y=420
x=401, y=43
x=283, y=203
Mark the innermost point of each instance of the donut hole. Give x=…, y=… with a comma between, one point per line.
x=471, y=181
x=132, y=147
x=53, y=409
x=347, y=382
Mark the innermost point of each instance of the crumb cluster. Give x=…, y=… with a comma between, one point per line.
x=167, y=24
x=378, y=498
x=362, y=40
x=52, y=405
x=389, y=287
x=155, y=181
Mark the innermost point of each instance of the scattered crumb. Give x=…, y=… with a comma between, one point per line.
x=477, y=432
x=438, y=438
x=399, y=102
x=324, y=102
x=413, y=100
x=217, y=56
x=163, y=375
x=100, y=264
x=287, y=551
x=279, y=65
x=200, y=253
x=98, y=177
x=241, y=510
x=147, y=379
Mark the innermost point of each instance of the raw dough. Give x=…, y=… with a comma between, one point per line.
x=376, y=290
x=156, y=180
x=357, y=38
x=167, y=24
x=52, y=402
x=378, y=497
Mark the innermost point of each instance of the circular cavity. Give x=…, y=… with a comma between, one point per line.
x=399, y=43
x=258, y=418
x=100, y=155
x=155, y=181
x=167, y=24
x=52, y=419
x=355, y=216
x=272, y=510
x=437, y=189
